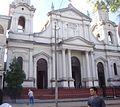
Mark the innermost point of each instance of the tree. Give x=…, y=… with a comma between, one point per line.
x=111, y=5
x=14, y=78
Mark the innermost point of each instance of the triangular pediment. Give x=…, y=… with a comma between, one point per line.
x=78, y=41
x=71, y=12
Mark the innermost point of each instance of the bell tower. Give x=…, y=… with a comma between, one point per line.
x=22, y=16
x=101, y=14
x=20, y=35
x=105, y=29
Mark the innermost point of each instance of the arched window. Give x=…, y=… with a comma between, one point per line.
x=20, y=61
x=21, y=24
x=75, y=61
x=1, y=29
x=110, y=37
x=115, y=69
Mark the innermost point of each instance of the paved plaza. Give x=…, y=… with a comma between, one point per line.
x=63, y=103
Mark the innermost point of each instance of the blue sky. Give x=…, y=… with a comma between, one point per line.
x=44, y=6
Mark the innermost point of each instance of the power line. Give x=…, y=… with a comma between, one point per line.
x=60, y=4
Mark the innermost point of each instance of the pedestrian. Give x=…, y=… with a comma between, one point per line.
x=95, y=100
x=31, y=96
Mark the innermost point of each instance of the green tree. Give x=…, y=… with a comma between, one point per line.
x=111, y=5
x=14, y=79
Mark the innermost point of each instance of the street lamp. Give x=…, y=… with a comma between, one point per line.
x=56, y=82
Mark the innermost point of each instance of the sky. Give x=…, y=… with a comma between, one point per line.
x=44, y=6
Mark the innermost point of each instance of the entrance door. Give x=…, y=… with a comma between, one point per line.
x=42, y=74
x=76, y=72
x=101, y=76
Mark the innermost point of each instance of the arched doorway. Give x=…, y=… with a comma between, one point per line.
x=76, y=72
x=42, y=74
x=101, y=75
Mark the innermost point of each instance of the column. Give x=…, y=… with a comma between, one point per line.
x=30, y=64
x=110, y=74
x=70, y=80
x=49, y=72
x=31, y=24
x=94, y=75
x=89, y=82
x=26, y=67
x=27, y=26
x=35, y=72
x=65, y=83
x=14, y=24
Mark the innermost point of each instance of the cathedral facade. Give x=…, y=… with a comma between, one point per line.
x=69, y=47
x=4, y=26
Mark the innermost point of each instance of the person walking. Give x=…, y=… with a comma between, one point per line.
x=31, y=96
x=95, y=100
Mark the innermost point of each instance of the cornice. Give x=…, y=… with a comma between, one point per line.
x=31, y=8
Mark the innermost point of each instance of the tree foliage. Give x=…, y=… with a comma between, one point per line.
x=14, y=78
x=111, y=5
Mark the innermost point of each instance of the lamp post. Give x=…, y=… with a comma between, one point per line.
x=4, y=73
x=56, y=82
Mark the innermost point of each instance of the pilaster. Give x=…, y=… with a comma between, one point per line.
x=30, y=64
x=88, y=77
x=35, y=72
x=53, y=70
x=94, y=75
x=70, y=79
x=64, y=78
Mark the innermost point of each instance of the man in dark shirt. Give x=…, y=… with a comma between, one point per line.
x=95, y=100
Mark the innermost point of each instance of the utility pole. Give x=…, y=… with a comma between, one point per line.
x=56, y=82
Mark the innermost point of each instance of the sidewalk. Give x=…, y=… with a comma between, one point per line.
x=63, y=103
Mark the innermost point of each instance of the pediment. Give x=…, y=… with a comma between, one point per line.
x=71, y=12
x=41, y=53
x=78, y=41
